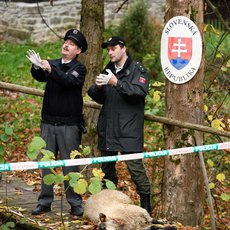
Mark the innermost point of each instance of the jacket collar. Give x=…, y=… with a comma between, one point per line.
x=125, y=66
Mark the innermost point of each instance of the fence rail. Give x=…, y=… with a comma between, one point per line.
x=150, y=117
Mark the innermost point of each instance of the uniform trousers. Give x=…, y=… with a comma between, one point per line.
x=136, y=169
x=60, y=139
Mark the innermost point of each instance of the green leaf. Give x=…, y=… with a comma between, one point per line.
x=2, y=160
x=86, y=151
x=32, y=155
x=48, y=154
x=225, y=196
x=35, y=147
x=74, y=177
x=211, y=185
x=9, y=225
x=37, y=144
x=9, y=131
x=49, y=179
x=2, y=150
x=59, y=178
x=95, y=185
x=22, y=221
x=4, y=137
x=109, y=184
x=81, y=186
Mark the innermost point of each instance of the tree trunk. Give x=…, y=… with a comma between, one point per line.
x=92, y=26
x=183, y=188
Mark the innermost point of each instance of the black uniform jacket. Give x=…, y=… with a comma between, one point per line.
x=121, y=119
x=63, y=100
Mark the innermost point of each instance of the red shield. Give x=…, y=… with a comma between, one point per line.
x=179, y=51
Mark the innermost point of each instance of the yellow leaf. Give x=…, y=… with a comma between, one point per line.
x=98, y=173
x=87, y=98
x=210, y=163
x=81, y=186
x=158, y=83
x=156, y=95
x=214, y=30
x=219, y=55
x=46, y=220
x=32, y=182
x=217, y=124
x=220, y=177
x=211, y=185
x=224, y=69
x=76, y=221
x=228, y=63
x=205, y=108
x=210, y=117
x=74, y=153
x=18, y=193
x=205, y=27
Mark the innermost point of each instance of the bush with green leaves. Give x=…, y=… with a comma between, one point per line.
x=37, y=151
x=137, y=30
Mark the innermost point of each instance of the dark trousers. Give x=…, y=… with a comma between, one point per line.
x=136, y=169
x=62, y=139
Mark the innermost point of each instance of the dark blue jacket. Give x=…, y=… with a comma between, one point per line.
x=121, y=120
x=63, y=100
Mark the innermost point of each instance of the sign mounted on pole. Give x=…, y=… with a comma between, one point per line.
x=181, y=49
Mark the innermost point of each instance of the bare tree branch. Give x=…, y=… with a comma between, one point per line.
x=120, y=7
x=218, y=14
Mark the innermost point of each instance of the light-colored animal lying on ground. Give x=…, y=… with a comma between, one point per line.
x=113, y=210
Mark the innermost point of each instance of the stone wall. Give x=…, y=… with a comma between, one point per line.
x=21, y=22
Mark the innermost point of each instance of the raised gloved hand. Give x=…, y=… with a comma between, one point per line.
x=34, y=58
x=103, y=79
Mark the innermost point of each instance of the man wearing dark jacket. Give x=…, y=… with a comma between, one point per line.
x=61, y=111
x=121, y=89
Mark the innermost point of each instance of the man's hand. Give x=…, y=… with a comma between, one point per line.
x=105, y=79
x=34, y=58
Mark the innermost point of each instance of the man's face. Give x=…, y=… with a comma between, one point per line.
x=116, y=53
x=70, y=50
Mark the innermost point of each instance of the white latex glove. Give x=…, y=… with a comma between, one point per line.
x=103, y=79
x=34, y=58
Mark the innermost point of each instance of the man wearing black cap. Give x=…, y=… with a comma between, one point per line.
x=121, y=89
x=61, y=111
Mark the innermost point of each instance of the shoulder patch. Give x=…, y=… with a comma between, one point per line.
x=140, y=67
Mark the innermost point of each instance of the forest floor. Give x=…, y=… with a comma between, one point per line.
x=19, y=190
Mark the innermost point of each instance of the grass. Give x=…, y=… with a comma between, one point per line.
x=15, y=67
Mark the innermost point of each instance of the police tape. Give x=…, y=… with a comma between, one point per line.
x=124, y=157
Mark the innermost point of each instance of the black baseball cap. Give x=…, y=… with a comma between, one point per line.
x=78, y=38
x=113, y=41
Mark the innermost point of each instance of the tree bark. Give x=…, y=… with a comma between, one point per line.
x=92, y=26
x=183, y=187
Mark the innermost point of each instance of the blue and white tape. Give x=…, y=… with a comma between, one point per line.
x=96, y=160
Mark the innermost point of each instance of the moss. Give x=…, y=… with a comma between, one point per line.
x=193, y=14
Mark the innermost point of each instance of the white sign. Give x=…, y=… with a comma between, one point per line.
x=181, y=49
